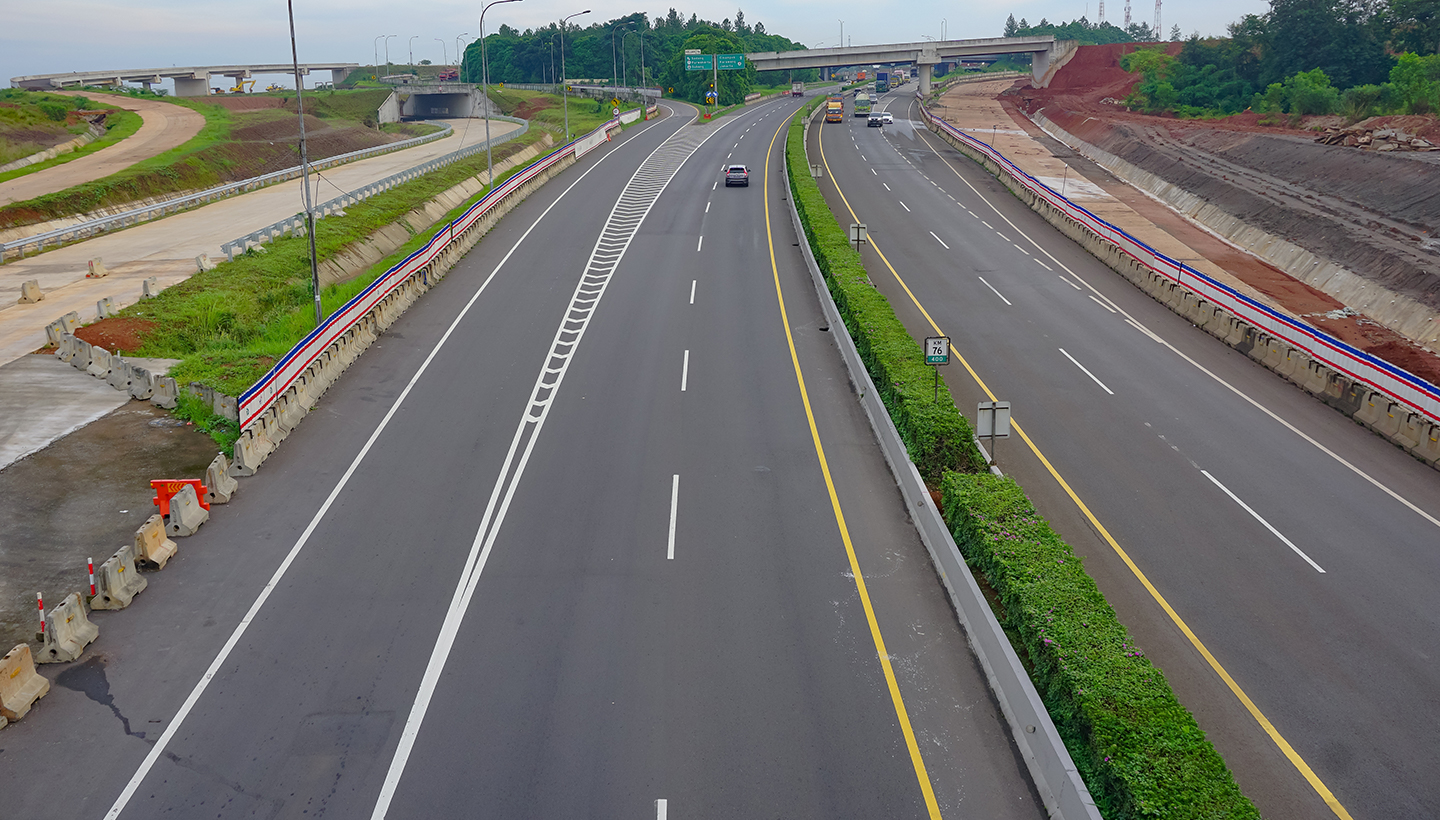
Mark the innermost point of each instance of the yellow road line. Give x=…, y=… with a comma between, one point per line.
x=900, y=712
x=1284, y=745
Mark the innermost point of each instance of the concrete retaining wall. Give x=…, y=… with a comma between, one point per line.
x=1400, y=422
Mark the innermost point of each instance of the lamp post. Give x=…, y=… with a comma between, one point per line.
x=842, y=33
x=552, y=60
x=377, y=52
x=387, y=52
x=613, y=63
x=943, y=23
x=444, y=52
x=460, y=55
x=564, y=101
x=623, y=72
x=485, y=90
x=412, y=51
x=305, y=165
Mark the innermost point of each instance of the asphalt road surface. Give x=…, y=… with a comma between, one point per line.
x=1298, y=549
x=560, y=544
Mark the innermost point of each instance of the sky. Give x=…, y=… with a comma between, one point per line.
x=83, y=35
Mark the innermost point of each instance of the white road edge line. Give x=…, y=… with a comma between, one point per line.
x=178, y=720
x=941, y=241
x=1256, y=516
x=685, y=372
x=692, y=290
x=1101, y=304
x=996, y=292
x=674, y=506
x=1087, y=372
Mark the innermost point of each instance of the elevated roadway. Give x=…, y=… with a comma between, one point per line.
x=1297, y=549
x=1047, y=55
x=637, y=600
x=190, y=81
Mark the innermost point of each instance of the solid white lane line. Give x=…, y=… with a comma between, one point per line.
x=685, y=372
x=996, y=292
x=903, y=205
x=661, y=809
x=158, y=750
x=887, y=187
x=1273, y=531
x=692, y=290
x=1087, y=372
x=707, y=207
x=674, y=506
x=700, y=244
x=1068, y=282
x=1101, y=304
x=941, y=241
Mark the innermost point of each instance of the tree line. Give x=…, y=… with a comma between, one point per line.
x=610, y=52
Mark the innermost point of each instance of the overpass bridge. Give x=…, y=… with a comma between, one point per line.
x=1047, y=55
x=191, y=81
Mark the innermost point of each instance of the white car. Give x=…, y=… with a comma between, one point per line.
x=887, y=117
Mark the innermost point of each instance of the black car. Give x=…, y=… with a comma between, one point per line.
x=875, y=121
x=737, y=175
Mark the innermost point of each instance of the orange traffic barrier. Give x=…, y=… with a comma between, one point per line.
x=166, y=488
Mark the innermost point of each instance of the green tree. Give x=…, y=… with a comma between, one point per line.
x=1416, y=81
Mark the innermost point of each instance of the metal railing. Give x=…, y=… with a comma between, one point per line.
x=295, y=225
x=136, y=216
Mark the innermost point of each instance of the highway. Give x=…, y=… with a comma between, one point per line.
x=1277, y=561
x=562, y=543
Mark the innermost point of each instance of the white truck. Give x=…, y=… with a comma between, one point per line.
x=797, y=89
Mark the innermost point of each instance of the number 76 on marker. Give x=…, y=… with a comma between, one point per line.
x=937, y=350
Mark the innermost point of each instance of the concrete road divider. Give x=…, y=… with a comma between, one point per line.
x=119, y=581
x=152, y=547
x=218, y=483
x=99, y=362
x=166, y=393
x=141, y=384
x=67, y=631
x=105, y=308
x=119, y=377
x=97, y=269
x=166, y=489
x=64, y=344
x=186, y=513
x=203, y=263
x=80, y=358
x=20, y=684
x=30, y=293
x=149, y=287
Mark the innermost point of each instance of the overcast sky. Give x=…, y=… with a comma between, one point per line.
x=46, y=36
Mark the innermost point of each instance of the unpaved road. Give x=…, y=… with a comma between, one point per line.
x=166, y=126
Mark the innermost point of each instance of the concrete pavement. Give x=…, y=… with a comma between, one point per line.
x=166, y=248
x=165, y=126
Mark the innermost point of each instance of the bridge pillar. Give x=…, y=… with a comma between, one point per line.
x=924, y=71
x=192, y=86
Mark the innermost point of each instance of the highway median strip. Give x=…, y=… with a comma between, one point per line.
x=1139, y=751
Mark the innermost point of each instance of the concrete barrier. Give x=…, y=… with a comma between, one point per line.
x=119, y=377
x=30, y=292
x=149, y=287
x=97, y=269
x=219, y=486
x=70, y=321
x=186, y=514
x=165, y=393
x=67, y=631
x=203, y=263
x=80, y=357
x=20, y=684
x=64, y=345
x=152, y=547
x=142, y=385
x=119, y=581
x=99, y=362
x=105, y=308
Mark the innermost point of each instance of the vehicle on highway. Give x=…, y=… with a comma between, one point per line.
x=797, y=89
x=737, y=175
x=862, y=104
x=887, y=117
x=876, y=120
x=834, y=110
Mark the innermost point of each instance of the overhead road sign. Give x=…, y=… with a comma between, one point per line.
x=699, y=62
x=731, y=62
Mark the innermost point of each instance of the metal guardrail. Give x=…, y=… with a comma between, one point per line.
x=295, y=225
x=86, y=230
x=1417, y=396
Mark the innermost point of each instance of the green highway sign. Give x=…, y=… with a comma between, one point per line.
x=699, y=62
x=732, y=62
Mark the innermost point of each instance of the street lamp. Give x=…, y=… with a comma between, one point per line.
x=304, y=165
x=552, y=60
x=613, y=63
x=485, y=90
x=623, y=72
x=460, y=55
x=564, y=101
x=377, y=53
x=412, y=52
x=444, y=53
x=842, y=33
x=387, y=52
x=943, y=23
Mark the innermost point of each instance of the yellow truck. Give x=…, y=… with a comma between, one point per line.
x=835, y=109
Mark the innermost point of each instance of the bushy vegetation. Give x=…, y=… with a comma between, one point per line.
x=1084, y=31
x=1302, y=57
x=1138, y=749
x=937, y=437
x=604, y=51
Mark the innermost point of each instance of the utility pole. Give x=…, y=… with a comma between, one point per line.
x=485, y=92
x=412, y=52
x=387, y=51
x=305, y=164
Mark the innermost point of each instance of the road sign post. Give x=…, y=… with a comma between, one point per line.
x=859, y=234
x=937, y=353
x=992, y=421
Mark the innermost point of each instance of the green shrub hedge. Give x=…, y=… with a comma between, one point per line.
x=1138, y=749
x=936, y=435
